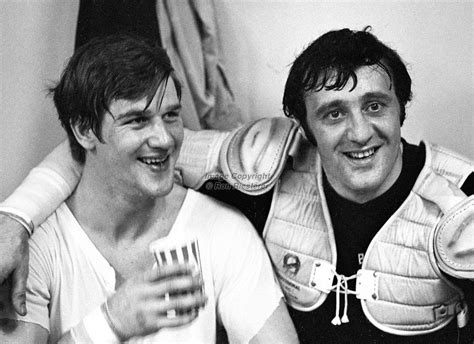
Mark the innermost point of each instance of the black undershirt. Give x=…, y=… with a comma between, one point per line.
x=354, y=227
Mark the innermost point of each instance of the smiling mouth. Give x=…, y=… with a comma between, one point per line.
x=155, y=163
x=362, y=155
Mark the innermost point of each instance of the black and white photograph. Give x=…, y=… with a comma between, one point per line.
x=237, y=171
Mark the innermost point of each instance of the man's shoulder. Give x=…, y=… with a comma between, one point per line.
x=212, y=219
x=436, y=151
x=53, y=230
x=54, y=221
x=428, y=157
x=448, y=163
x=445, y=152
x=213, y=207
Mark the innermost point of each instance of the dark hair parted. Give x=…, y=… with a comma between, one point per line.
x=105, y=69
x=332, y=59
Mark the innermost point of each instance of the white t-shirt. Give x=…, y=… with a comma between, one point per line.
x=69, y=277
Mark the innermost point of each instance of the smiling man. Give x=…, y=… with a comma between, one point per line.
x=92, y=277
x=357, y=132
x=370, y=236
x=373, y=205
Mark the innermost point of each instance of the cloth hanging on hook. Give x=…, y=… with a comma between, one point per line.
x=189, y=35
x=187, y=30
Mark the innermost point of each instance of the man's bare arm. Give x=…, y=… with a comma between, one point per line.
x=45, y=188
x=14, y=254
x=278, y=328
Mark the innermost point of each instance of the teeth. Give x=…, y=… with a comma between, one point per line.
x=361, y=155
x=153, y=161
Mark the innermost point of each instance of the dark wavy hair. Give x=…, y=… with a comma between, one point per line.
x=105, y=69
x=332, y=59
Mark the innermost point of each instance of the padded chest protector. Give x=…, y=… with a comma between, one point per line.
x=401, y=288
x=400, y=285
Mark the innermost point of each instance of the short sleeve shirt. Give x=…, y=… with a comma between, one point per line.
x=69, y=277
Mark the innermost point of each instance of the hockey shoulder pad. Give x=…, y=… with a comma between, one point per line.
x=253, y=157
x=454, y=234
x=454, y=241
x=199, y=157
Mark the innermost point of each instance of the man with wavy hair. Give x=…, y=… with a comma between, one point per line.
x=92, y=277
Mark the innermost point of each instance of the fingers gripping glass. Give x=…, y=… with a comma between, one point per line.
x=167, y=252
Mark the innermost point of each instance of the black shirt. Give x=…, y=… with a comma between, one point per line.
x=354, y=227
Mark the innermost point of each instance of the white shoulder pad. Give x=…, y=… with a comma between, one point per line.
x=199, y=156
x=454, y=241
x=453, y=166
x=253, y=157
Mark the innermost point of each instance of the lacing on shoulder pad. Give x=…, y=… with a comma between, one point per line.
x=366, y=287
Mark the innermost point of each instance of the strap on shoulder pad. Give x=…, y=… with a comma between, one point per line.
x=454, y=241
x=253, y=157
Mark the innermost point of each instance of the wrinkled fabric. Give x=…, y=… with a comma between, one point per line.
x=189, y=35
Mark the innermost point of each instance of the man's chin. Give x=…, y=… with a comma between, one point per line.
x=152, y=189
x=362, y=187
x=163, y=191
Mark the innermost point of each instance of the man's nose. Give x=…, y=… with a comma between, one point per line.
x=360, y=128
x=160, y=136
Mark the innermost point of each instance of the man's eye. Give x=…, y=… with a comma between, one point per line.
x=374, y=107
x=171, y=116
x=334, y=115
x=137, y=120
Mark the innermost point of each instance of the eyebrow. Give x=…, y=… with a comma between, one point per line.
x=173, y=107
x=130, y=113
x=377, y=95
x=332, y=104
x=140, y=112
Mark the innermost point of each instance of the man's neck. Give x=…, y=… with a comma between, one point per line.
x=117, y=214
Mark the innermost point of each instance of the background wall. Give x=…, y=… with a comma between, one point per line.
x=435, y=38
x=259, y=40
x=36, y=39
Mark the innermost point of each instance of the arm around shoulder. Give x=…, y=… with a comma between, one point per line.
x=46, y=186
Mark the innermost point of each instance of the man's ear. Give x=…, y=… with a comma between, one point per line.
x=304, y=131
x=86, y=137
